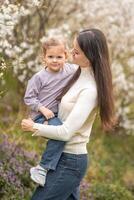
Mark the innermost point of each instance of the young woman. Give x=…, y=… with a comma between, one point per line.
x=89, y=91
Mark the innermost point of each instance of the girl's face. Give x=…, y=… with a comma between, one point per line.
x=55, y=58
x=79, y=57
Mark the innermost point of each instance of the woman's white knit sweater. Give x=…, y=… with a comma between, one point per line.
x=77, y=111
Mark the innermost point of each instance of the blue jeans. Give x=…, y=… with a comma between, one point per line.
x=63, y=183
x=54, y=148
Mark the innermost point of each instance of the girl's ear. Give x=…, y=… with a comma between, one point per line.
x=69, y=55
x=66, y=54
x=43, y=59
x=42, y=56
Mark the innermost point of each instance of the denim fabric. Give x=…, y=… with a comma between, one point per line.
x=54, y=148
x=63, y=183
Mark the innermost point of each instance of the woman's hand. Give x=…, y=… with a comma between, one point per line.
x=27, y=125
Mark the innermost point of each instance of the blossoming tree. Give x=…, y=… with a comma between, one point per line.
x=24, y=24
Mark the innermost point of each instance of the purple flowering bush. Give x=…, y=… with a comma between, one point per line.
x=84, y=190
x=15, y=182
x=15, y=162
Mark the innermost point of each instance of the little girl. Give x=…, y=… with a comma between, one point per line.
x=41, y=96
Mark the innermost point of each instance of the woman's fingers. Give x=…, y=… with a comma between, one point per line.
x=27, y=124
x=24, y=122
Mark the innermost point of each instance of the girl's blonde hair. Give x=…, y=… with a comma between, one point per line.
x=53, y=41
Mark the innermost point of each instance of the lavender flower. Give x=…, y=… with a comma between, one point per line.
x=14, y=170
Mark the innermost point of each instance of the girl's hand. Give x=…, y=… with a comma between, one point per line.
x=46, y=112
x=27, y=125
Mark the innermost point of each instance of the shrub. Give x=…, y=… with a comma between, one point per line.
x=2, y=71
x=84, y=190
x=114, y=191
x=15, y=162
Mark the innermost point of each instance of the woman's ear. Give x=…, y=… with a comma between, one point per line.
x=88, y=63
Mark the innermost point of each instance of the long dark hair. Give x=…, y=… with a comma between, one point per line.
x=69, y=84
x=93, y=44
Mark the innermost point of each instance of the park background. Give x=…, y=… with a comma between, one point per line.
x=23, y=26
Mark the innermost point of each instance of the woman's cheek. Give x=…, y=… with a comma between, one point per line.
x=73, y=56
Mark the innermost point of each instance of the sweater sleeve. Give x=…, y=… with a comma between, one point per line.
x=81, y=111
x=32, y=91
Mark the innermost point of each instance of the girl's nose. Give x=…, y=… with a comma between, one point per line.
x=54, y=59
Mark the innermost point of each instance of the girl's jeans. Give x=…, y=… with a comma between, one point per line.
x=54, y=148
x=63, y=183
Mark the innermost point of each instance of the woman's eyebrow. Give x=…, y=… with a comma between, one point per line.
x=76, y=49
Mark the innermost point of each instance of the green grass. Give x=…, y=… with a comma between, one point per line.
x=112, y=159
x=111, y=154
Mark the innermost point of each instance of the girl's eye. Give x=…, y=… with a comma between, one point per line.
x=50, y=56
x=59, y=57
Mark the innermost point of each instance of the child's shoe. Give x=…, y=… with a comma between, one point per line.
x=38, y=175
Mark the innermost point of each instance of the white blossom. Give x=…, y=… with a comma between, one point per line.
x=114, y=18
